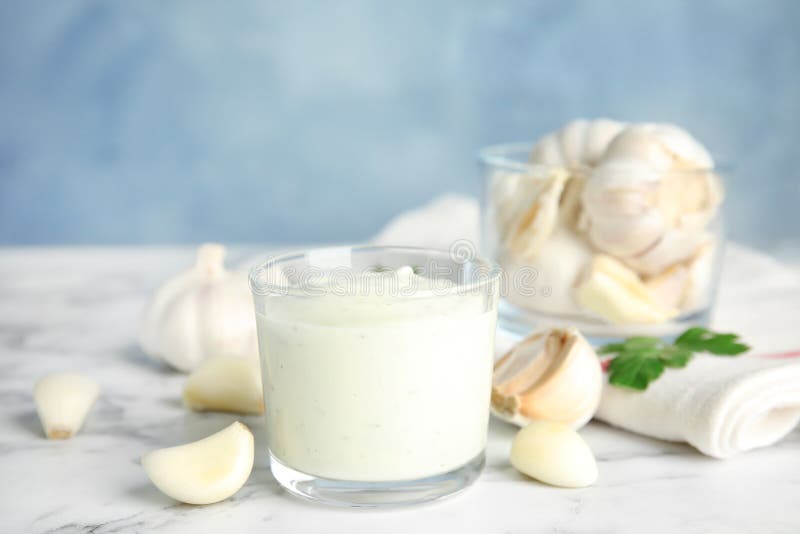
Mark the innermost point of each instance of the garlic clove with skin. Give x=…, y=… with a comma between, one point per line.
x=685, y=285
x=203, y=312
x=62, y=401
x=205, y=471
x=669, y=287
x=700, y=282
x=618, y=206
x=553, y=375
x=534, y=225
x=617, y=294
x=554, y=454
x=225, y=384
x=558, y=266
x=675, y=247
x=664, y=145
x=651, y=197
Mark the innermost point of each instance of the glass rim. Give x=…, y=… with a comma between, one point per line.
x=496, y=155
x=261, y=285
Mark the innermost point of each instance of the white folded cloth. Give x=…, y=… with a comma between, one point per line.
x=435, y=225
x=720, y=405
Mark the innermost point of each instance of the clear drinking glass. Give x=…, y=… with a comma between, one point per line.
x=632, y=251
x=377, y=366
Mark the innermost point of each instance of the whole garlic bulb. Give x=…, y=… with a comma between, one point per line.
x=578, y=146
x=650, y=198
x=552, y=375
x=203, y=312
x=579, y=143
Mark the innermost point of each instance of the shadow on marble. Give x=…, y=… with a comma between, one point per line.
x=147, y=493
x=172, y=402
x=610, y=443
x=29, y=422
x=134, y=354
x=262, y=478
x=502, y=429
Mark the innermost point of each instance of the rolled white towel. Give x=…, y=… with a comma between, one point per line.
x=722, y=406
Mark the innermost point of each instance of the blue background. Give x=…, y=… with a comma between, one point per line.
x=252, y=121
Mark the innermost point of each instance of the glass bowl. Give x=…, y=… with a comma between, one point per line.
x=620, y=252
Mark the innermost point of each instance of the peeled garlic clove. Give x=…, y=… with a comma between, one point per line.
x=63, y=400
x=554, y=454
x=615, y=292
x=553, y=375
x=205, y=471
x=203, y=312
x=532, y=227
x=225, y=384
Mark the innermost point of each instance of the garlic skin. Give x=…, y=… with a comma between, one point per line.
x=616, y=293
x=554, y=454
x=551, y=375
x=650, y=197
x=530, y=225
x=665, y=146
x=62, y=401
x=205, y=471
x=225, y=384
x=203, y=312
x=524, y=208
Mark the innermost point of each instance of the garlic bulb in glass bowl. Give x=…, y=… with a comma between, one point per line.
x=200, y=313
x=616, y=226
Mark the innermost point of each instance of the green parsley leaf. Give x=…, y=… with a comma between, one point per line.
x=676, y=357
x=699, y=339
x=639, y=360
x=635, y=372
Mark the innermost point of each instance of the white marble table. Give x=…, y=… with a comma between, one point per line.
x=78, y=309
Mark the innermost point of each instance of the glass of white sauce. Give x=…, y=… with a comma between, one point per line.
x=377, y=367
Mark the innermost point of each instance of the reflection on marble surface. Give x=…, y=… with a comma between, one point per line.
x=78, y=309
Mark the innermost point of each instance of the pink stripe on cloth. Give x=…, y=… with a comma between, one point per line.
x=792, y=354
